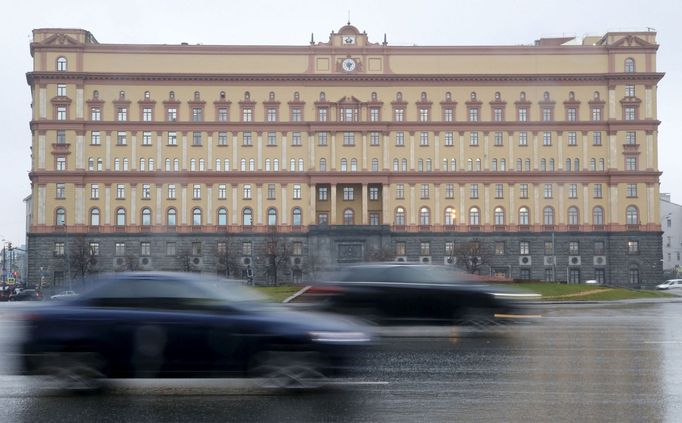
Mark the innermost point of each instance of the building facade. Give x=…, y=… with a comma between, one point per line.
x=671, y=221
x=535, y=162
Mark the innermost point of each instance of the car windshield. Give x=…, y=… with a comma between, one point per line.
x=402, y=274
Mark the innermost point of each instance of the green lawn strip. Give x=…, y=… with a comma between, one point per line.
x=279, y=293
x=582, y=292
x=611, y=294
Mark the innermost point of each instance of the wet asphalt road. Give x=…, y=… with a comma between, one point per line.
x=580, y=363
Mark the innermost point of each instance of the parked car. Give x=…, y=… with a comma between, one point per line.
x=27, y=295
x=63, y=295
x=182, y=325
x=670, y=284
x=401, y=294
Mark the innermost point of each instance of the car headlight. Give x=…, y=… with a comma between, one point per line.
x=339, y=337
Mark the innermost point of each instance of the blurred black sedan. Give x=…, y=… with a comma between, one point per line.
x=179, y=325
x=414, y=294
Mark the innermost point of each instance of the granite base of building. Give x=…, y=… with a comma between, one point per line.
x=628, y=259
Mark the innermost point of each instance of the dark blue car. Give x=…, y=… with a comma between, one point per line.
x=179, y=325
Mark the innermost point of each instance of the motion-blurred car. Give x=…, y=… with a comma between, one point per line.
x=406, y=294
x=179, y=325
x=670, y=284
x=64, y=295
x=27, y=295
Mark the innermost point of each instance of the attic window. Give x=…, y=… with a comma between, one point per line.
x=61, y=64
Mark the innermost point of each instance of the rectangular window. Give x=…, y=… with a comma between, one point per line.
x=122, y=114
x=629, y=113
x=61, y=163
x=246, y=138
x=322, y=193
x=171, y=192
x=424, y=191
x=448, y=115
x=95, y=138
x=196, y=191
x=322, y=138
x=629, y=91
x=247, y=115
x=572, y=138
x=523, y=138
x=61, y=113
x=322, y=114
x=374, y=114
x=247, y=192
x=120, y=249
x=399, y=115
x=631, y=137
x=523, y=191
x=449, y=248
x=631, y=190
x=499, y=248
x=146, y=191
x=399, y=191
x=598, y=191
x=348, y=138
x=196, y=248
x=449, y=191
x=400, y=248
x=374, y=218
x=147, y=138
x=222, y=114
x=449, y=139
x=473, y=191
x=348, y=193
x=121, y=138
x=498, y=138
x=94, y=191
x=147, y=114
x=296, y=115
x=61, y=136
x=322, y=218
x=222, y=139
x=599, y=248
x=271, y=114
x=295, y=138
x=172, y=114
x=94, y=248
x=247, y=250
x=497, y=115
x=196, y=138
x=524, y=248
x=271, y=191
x=547, y=138
x=170, y=249
x=60, y=190
x=546, y=114
x=145, y=249
x=423, y=115
x=373, y=193
x=573, y=248
x=571, y=114
x=95, y=113
x=523, y=114
x=596, y=113
x=473, y=138
x=424, y=248
x=596, y=138
x=423, y=138
x=222, y=192
x=549, y=248
x=572, y=191
x=473, y=114
x=297, y=191
x=172, y=138
x=61, y=90
x=374, y=138
x=631, y=163
x=399, y=138
x=499, y=191
x=548, y=190
x=58, y=249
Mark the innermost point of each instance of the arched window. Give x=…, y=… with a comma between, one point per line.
x=573, y=216
x=292, y=165
x=60, y=217
x=473, y=95
x=323, y=96
x=400, y=216
x=571, y=95
x=527, y=164
x=323, y=165
x=120, y=217
x=450, y=216
x=226, y=165
x=445, y=165
x=143, y=162
x=348, y=217
x=498, y=97
x=247, y=95
x=62, y=64
x=95, y=94
x=576, y=165
x=272, y=217
x=548, y=216
x=247, y=217
x=498, y=214
x=429, y=166
x=122, y=95
x=193, y=164
x=268, y=165
x=296, y=217
x=631, y=215
x=423, y=96
x=117, y=164
x=543, y=165
x=551, y=165
x=403, y=165
x=601, y=164
x=176, y=165
x=353, y=165
x=271, y=95
x=522, y=95
x=373, y=96
x=94, y=217
x=448, y=96
x=171, y=217
x=222, y=95
x=396, y=165
x=222, y=216
x=242, y=165
x=598, y=216
x=470, y=165
x=99, y=164
x=202, y=165
x=275, y=165
x=171, y=95
x=593, y=164
x=150, y=165
x=297, y=96
x=399, y=96
x=344, y=165
x=196, y=216
x=629, y=64
x=474, y=216
x=300, y=165
x=91, y=163
x=493, y=165
x=147, y=95
x=217, y=164
x=252, y=165
x=168, y=165
x=595, y=95
x=568, y=165
x=375, y=165
x=524, y=216
x=519, y=165
x=424, y=216
x=125, y=163
x=146, y=216
x=503, y=165
x=545, y=95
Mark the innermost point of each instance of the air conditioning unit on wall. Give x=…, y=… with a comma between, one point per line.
x=425, y=259
x=246, y=261
x=296, y=261
x=599, y=260
x=525, y=261
x=451, y=261
x=196, y=261
x=401, y=259
x=145, y=263
x=550, y=260
x=574, y=260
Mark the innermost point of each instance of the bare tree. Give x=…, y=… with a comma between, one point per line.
x=277, y=256
x=312, y=265
x=184, y=257
x=382, y=253
x=472, y=255
x=226, y=255
x=82, y=258
x=131, y=261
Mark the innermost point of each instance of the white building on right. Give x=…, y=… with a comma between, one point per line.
x=671, y=223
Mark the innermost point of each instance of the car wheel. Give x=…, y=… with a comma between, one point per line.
x=78, y=372
x=288, y=370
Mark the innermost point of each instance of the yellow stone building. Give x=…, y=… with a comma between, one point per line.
x=543, y=158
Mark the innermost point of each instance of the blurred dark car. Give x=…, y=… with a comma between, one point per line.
x=404, y=294
x=180, y=325
x=27, y=295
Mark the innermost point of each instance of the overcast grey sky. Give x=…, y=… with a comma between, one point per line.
x=436, y=22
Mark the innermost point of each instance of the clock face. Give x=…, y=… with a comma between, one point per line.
x=349, y=39
x=348, y=65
